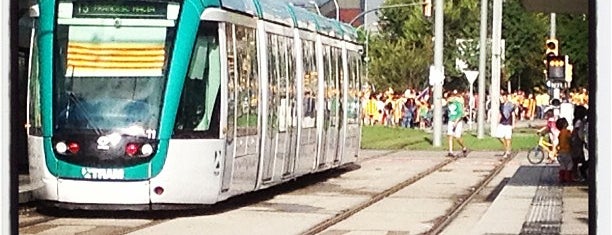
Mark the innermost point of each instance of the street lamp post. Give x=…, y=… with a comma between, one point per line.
x=439, y=67
x=337, y=10
x=482, y=67
x=316, y=6
x=367, y=48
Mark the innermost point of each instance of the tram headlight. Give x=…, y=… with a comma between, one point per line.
x=146, y=150
x=61, y=147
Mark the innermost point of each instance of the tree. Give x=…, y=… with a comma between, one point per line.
x=525, y=34
x=402, y=51
x=573, y=36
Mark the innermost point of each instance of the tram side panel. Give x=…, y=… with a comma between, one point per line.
x=191, y=174
x=192, y=171
x=40, y=177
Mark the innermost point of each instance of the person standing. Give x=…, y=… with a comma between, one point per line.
x=506, y=124
x=578, y=143
x=455, y=124
x=564, y=151
x=408, y=110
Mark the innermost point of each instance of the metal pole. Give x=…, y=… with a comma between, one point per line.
x=553, y=34
x=495, y=64
x=316, y=6
x=367, y=53
x=482, y=68
x=553, y=25
x=600, y=177
x=337, y=10
x=439, y=67
x=5, y=124
x=470, y=103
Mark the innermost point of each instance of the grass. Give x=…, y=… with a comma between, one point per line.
x=380, y=137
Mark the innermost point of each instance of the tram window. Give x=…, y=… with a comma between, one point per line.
x=247, y=81
x=332, y=87
x=35, y=119
x=290, y=63
x=100, y=93
x=286, y=68
x=339, y=87
x=352, y=105
x=231, y=80
x=274, y=95
x=327, y=76
x=198, y=112
x=310, y=84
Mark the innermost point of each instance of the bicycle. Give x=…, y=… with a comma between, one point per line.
x=543, y=148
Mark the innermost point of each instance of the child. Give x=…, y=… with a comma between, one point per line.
x=553, y=135
x=564, y=151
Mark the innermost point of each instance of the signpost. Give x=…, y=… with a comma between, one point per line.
x=471, y=77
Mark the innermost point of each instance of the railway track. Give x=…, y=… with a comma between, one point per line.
x=441, y=222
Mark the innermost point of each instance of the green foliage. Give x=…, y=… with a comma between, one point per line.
x=525, y=34
x=379, y=137
x=400, y=53
x=573, y=36
x=402, y=50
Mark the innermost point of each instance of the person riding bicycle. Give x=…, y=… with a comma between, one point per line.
x=552, y=132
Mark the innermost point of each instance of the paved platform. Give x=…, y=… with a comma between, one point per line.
x=534, y=202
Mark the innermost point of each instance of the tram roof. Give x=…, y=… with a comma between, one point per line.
x=288, y=14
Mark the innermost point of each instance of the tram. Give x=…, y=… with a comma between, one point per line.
x=156, y=104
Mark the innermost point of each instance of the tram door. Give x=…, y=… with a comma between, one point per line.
x=242, y=134
x=281, y=127
x=230, y=133
x=331, y=107
x=339, y=120
x=288, y=86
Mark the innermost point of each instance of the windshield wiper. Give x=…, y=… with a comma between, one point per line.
x=72, y=99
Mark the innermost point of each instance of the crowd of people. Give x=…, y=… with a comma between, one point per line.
x=412, y=109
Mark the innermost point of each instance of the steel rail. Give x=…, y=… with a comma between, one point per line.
x=464, y=201
x=377, y=197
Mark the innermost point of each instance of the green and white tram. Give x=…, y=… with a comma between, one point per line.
x=152, y=104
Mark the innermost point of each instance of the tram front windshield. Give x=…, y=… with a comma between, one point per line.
x=110, y=77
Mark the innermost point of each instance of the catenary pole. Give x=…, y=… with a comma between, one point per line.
x=482, y=68
x=5, y=176
x=495, y=64
x=439, y=67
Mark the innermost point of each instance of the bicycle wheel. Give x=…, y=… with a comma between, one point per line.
x=535, y=156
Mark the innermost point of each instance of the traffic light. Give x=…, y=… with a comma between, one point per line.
x=555, y=67
x=427, y=7
x=552, y=47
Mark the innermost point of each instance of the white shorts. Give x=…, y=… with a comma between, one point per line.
x=455, y=131
x=504, y=131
